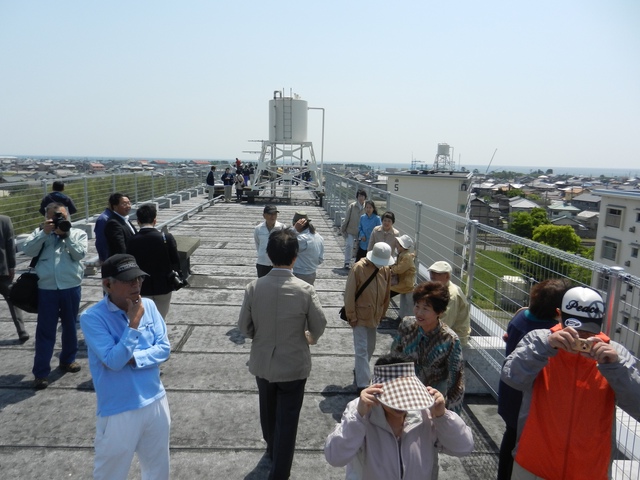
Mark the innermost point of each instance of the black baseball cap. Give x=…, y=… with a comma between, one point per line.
x=122, y=267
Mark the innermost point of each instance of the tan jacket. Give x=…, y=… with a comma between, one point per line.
x=457, y=313
x=372, y=304
x=276, y=311
x=390, y=238
x=405, y=268
x=352, y=219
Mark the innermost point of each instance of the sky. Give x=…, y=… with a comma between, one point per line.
x=546, y=83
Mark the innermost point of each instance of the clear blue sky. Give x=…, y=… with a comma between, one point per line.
x=548, y=83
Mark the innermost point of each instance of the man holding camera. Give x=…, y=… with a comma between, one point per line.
x=59, y=248
x=572, y=377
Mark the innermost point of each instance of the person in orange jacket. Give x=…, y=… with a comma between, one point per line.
x=572, y=376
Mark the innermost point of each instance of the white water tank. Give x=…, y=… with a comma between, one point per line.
x=287, y=119
x=443, y=149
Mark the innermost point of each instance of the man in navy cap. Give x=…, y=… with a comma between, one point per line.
x=127, y=341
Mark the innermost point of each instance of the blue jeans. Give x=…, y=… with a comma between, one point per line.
x=54, y=304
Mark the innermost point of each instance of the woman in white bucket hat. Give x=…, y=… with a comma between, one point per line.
x=365, y=313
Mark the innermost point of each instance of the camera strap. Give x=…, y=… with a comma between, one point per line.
x=166, y=251
x=35, y=259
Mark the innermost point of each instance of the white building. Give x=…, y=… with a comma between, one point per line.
x=444, y=190
x=618, y=244
x=618, y=239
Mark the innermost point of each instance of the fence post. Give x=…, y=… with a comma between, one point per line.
x=471, y=267
x=613, y=300
x=86, y=198
x=417, y=220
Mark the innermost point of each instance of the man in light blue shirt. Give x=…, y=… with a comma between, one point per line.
x=261, y=237
x=60, y=248
x=127, y=341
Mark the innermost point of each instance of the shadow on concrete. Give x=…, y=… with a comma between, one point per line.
x=343, y=272
x=261, y=470
x=236, y=336
x=19, y=390
x=86, y=386
x=12, y=342
x=336, y=399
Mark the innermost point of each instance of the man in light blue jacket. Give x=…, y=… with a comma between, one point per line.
x=60, y=273
x=127, y=342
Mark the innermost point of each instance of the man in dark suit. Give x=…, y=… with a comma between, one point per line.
x=118, y=228
x=157, y=254
x=7, y=272
x=276, y=312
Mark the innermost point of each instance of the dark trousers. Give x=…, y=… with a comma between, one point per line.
x=280, y=404
x=360, y=253
x=54, y=304
x=263, y=269
x=16, y=315
x=505, y=460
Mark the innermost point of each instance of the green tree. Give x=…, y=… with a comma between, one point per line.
x=524, y=223
x=515, y=192
x=562, y=237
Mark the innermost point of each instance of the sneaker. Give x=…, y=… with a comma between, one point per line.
x=72, y=367
x=40, y=383
x=347, y=266
x=23, y=337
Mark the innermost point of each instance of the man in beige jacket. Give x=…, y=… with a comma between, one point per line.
x=282, y=315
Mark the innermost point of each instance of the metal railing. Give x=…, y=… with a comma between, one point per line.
x=497, y=269
x=90, y=193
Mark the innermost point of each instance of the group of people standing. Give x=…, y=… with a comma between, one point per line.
x=561, y=380
x=243, y=177
x=124, y=356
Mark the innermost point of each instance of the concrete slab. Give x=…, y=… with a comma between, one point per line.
x=213, y=398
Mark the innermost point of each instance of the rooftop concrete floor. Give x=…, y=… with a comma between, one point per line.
x=215, y=430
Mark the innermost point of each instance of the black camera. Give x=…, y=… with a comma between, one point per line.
x=61, y=222
x=176, y=281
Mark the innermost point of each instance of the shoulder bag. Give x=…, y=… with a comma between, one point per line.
x=24, y=292
x=173, y=277
x=343, y=311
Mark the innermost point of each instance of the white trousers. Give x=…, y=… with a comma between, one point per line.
x=144, y=431
x=348, y=248
x=364, y=343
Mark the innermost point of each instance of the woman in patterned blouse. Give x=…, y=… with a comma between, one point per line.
x=432, y=345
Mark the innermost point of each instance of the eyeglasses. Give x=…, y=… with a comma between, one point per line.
x=125, y=204
x=133, y=281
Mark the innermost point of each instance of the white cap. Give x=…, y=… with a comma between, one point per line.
x=405, y=241
x=440, y=267
x=380, y=256
x=583, y=309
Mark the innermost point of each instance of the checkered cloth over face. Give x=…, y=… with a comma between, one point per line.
x=401, y=388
